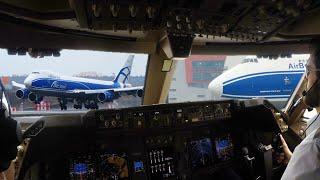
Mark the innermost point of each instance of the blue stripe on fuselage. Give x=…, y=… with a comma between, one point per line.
x=67, y=85
x=269, y=97
x=263, y=73
x=268, y=85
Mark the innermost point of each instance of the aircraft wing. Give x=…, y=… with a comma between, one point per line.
x=117, y=91
x=128, y=89
x=15, y=84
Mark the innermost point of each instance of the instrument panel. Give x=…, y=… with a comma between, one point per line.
x=161, y=159
x=163, y=148
x=159, y=116
x=241, y=20
x=166, y=141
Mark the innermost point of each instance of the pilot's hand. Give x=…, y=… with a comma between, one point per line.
x=286, y=150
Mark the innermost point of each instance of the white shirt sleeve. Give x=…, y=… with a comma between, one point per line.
x=305, y=161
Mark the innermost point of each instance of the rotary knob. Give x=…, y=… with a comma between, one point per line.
x=106, y=124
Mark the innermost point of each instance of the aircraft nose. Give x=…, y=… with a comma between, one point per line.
x=215, y=89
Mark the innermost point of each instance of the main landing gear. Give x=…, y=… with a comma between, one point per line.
x=91, y=104
x=63, y=104
x=88, y=104
x=78, y=104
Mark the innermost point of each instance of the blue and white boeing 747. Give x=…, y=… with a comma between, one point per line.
x=274, y=80
x=77, y=90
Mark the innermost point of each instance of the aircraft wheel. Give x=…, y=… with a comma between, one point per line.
x=77, y=106
x=93, y=105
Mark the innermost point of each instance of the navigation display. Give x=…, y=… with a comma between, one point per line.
x=201, y=153
x=224, y=147
x=104, y=165
x=82, y=167
x=138, y=166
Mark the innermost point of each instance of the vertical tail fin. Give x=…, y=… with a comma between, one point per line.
x=125, y=71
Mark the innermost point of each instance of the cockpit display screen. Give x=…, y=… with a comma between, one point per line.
x=102, y=165
x=201, y=153
x=82, y=168
x=224, y=147
x=138, y=166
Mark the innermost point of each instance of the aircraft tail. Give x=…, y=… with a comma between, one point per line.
x=125, y=71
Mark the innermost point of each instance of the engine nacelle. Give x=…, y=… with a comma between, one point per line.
x=22, y=93
x=107, y=96
x=35, y=98
x=32, y=97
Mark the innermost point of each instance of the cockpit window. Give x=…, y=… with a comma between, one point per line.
x=75, y=81
x=250, y=59
x=223, y=77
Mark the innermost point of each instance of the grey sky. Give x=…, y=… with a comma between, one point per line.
x=72, y=62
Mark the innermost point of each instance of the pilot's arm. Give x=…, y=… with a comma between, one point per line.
x=10, y=137
x=286, y=149
x=305, y=160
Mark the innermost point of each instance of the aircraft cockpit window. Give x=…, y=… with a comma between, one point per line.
x=52, y=75
x=223, y=77
x=250, y=59
x=77, y=81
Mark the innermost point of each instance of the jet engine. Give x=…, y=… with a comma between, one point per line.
x=35, y=98
x=140, y=92
x=107, y=96
x=32, y=97
x=22, y=93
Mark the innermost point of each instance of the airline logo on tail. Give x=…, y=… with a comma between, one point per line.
x=125, y=71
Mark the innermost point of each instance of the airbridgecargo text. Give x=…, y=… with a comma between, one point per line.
x=296, y=65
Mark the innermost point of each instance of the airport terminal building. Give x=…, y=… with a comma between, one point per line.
x=193, y=75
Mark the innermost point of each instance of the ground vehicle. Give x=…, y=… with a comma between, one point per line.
x=245, y=27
